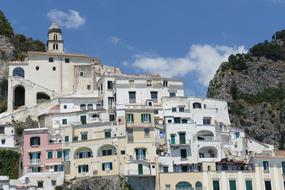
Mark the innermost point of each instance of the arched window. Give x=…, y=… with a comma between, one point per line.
x=198, y=185
x=19, y=72
x=82, y=107
x=90, y=106
x=55, y=37
x=183, y=186
x=42, y=97
x=56, y=46
x=197, y=105
x=19, y=96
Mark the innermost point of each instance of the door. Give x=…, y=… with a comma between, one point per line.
x=140, y=169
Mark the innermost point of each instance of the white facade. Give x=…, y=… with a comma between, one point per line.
x=7, y=136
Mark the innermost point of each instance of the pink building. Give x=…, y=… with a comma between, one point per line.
x=40, y=152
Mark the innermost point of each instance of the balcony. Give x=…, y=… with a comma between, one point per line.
x=180, y=143
x=35, y=162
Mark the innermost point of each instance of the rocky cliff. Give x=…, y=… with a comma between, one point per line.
x=254, y=86
x=12, y=47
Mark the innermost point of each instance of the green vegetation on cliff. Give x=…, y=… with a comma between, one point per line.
x=9, y=163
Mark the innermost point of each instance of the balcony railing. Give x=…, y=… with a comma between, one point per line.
x=178, y=143
x=35, y=161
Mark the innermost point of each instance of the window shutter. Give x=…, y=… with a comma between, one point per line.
x=142, y=118
x=103, y=167
x=149, y=118
x=111, y=167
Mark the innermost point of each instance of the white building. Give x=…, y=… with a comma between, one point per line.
x=7, y=136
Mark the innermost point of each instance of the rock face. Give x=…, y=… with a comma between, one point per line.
x=254, y=86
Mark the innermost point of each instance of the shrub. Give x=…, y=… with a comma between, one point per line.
x=9, y=163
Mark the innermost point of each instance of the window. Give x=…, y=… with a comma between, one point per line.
x=130, y=118
x=183, y=153
x=233, y=185
x=53, y=68
x=84, y=136
x=88, y=87
x=112, y=117
x=2, y=130
x=95, y=115
x=248, y=185
x=19, y=72
x=81, y=73
x=35, y=141
x=177, y=119
x=83, y=119
x=131, y=83
x=107, y=134
x=198, y=186
x=49, y=154
x=153, y=95
x=40, y=184
x=283, y=167
x=145, y=118
x=207, y=121
x=64, y=106
x=107, y=166
x=132, y=97
x=184, y=168
x=182, y=139
x=64, y=121
x=90, y=106
x=148, y=83
x=82, y=107
x=196, y=105
x=123, y=152
x=3, y=141
x=165, y=83
x=107, y=152
x=110, y=102
x=53, y=182
x=146, y=132
x=59, y=154
x=237, y=134
x=165, y=169
x=140, y=169
x=50, y=59
x=110, y=85
x=161, y=134
x=140, y=153
x=83, y=169
x=84, y=154
x=37, y=68
x=216, y=185
x=265, y=166
x=66, y=155
x=268, y=185
x=172, y=94
x=173, y=109
x=172, y=138
x=184, y=121
x=167, y=187
x=181, y=109
x=67, y=60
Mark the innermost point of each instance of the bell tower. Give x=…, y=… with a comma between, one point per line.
x=55, y=42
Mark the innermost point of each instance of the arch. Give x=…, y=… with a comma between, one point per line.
x=83, y=152
x=42, y=97
x=205, y=135
x=19, y=72
x=197, y=105
x=19, y=96
x=183, y=185
x=208, y=152
x=198, y=185
x=90, y=106
x=107, y=150
x=82, y=107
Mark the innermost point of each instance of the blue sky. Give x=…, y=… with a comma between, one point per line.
x=183, y=39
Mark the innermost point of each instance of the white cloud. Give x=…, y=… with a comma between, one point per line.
x=115, y=40
x=68, y=19
x=202, y=59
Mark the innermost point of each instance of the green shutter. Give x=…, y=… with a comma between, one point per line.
x=142, y=118
x=233, y=185
x=248, y=184
x=216, y=185
x=140, y=169
x=149, y=118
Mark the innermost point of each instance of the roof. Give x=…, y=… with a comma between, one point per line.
x=54, y=26
x=52, y=53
